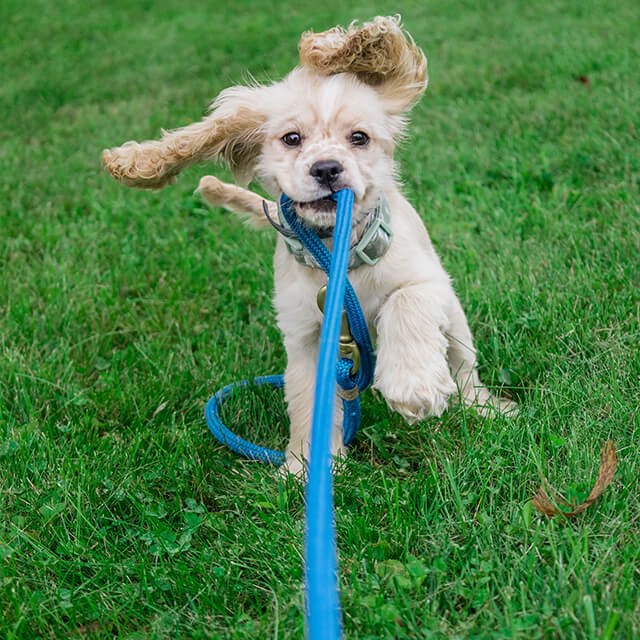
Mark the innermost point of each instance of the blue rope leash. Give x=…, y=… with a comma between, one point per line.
x=323, y=613
x=324, y=619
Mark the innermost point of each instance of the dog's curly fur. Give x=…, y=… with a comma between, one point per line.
x=226, y=135
x=353, y=84
x=380, y=53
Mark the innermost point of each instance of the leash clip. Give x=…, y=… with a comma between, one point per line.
x=348, y=347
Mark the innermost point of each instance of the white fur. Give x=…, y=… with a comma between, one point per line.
x=425, y=353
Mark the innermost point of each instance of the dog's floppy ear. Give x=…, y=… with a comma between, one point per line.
x=379, y=52
x=231, y=133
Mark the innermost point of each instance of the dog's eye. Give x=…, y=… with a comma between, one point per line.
x=359, y=138
x=292, y=139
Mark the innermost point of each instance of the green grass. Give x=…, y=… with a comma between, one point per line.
x=122, y=311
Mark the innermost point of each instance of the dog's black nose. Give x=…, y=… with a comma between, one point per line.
x=326, y=171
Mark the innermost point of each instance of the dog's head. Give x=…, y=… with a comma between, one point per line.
x=331, y=123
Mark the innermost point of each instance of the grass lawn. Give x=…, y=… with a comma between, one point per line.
x=122, y=311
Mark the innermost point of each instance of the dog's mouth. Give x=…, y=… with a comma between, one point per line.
x=322, y=205
x=321, y=213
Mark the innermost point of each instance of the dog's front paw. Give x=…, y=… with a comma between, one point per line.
x=293, y=466
x=415, y=395
x=212, y=190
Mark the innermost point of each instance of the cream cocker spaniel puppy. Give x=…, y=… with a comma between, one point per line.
x=333, y=122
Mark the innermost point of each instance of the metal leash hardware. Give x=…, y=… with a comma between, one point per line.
x=348, y=347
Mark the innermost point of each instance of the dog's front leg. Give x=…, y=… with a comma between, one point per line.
x=299, y=389
x=236, y=199
x=412, y=372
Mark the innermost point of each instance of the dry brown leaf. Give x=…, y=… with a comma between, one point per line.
x=543, y=503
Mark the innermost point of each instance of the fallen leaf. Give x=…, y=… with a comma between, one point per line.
x=547, y=505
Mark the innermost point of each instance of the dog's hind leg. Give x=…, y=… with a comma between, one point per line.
x=462, y=362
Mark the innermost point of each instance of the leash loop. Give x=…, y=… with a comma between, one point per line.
x=227, y=437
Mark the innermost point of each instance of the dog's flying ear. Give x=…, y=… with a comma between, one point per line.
x=380, y=52
x=232, y=133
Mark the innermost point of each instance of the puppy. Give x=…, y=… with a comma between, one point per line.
x=332, y=123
